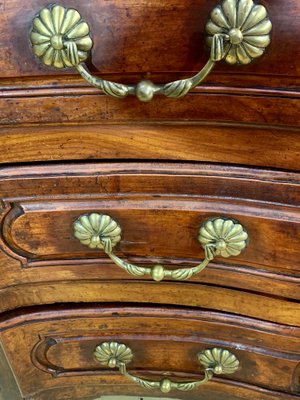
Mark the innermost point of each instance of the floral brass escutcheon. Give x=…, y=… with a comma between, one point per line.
x=247, y=29
x=216, y=361
x=218, y=236
x=222, y=237
x=238, y=32
x=53, y=29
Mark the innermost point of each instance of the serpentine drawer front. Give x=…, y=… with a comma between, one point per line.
x=157, y=349
x=149, y=200
x=161, y=209
x=237, y=32
x=236, y=115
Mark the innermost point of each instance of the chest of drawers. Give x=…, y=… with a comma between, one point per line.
x=212, y=176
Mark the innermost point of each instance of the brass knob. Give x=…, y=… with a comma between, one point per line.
x=218, y=236
x=237, y=32
x=215, y=361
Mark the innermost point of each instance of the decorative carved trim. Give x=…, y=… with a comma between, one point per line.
x=39, y=354
x=11, y=212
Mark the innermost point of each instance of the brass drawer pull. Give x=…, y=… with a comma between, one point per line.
x=218, y=236
x=215, y=361
x=237, y=31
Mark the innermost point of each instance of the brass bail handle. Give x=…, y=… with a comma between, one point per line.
x=218, y=236
x=216, y=361
x=238, y=32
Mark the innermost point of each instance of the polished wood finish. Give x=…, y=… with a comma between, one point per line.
x=47, y=264
x=219, y=143
x=234, y=115
x=50, y=351
x=229, y=148
x=199, y=107
x=51, y=235
x=208, y=297
x=144, y=37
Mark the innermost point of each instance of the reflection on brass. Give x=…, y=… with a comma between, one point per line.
x=238, y=32
x=56, y=29
x=218, y=236
x=215, y=361
x=247, y=29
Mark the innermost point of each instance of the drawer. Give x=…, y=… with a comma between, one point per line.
x=157, y=207
x=240, y=114
x=134, y=48
x=50, y=353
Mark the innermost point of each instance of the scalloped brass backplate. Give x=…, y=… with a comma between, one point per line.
x=237, y=32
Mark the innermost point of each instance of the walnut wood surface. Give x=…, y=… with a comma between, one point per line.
x=149, y=36
x=279, y=148
x=49, y=351
x=251, y=96
x=168, y=199
x=42, y=232
x=217, y=390
x=241, y=121
x=200, y=107
x=40, y=205
x=212, y=297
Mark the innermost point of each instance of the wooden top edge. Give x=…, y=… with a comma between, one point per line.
x=161, y=168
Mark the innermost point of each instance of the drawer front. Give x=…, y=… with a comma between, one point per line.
x=42, y=233
x=237, y=115
x=179, y=39
x=48, y=352
x=158, y=207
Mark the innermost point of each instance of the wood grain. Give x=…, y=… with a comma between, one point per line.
x=43, y=233
x=242, y=303
x=250, y=95
x=40, y=204
x=66, y=181
x=248, y=145
x=263, y=348
x=217, y=390
x=236, y=142
x=170, y=37
x=195, y=107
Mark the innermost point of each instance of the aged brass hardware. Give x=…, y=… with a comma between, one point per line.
x=215, y=361
x=218, y=236
x=237, y=31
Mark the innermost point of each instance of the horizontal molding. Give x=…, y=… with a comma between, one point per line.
x=59, y=79
x=148, y=168
x=83, y=89
x=184, y=294
x=267, y=282
x=198, y=106
x=40, y=313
